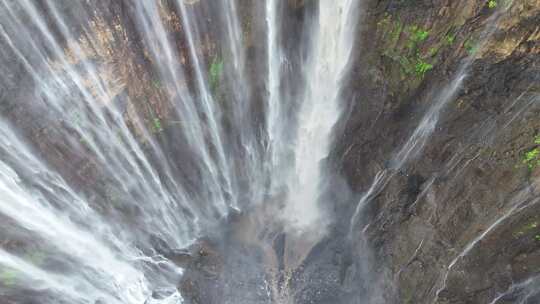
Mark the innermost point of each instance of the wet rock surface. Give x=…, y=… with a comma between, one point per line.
x=449, y=227
x=457, y=224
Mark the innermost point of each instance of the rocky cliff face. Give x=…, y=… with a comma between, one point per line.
x=458, y=223
x=455, y=221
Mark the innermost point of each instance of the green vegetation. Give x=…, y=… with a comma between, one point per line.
x=84, y=142
x=156, y=83
x=422, y=67
x=157, y=127
x=415, y=47
x=215, y=72
x=492, y=4
x=418, y=34
x=155, y=122
x=410, y=59
x=414, y=65
x=432, y=51
x=470, y=46
x=449, y=39
x=532, y=158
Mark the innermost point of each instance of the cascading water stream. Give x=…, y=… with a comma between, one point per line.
x=50, y=216
x=333, y=41
x=426, y=127
x=114, y=241
x=331, y=46
x=140, y=137
x=411, y=147
x=523, y=292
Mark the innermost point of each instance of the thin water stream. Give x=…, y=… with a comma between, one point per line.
x=104, y=228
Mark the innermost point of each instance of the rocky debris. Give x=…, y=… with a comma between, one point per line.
x=224, y=272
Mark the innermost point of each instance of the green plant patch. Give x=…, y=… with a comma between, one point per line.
x=470, y=46
x=408, y=49
x=422, y=67
x=156, y=83
x=420, y=35
x=449, y=39
x=157, y=127
x=215, y=72
x=416, y=36
x=432, y=51
x=492, y=4
x=532, y=158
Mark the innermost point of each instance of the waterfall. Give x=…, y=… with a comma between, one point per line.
x=130, y=133
x=180, y=151
x=333, y=41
